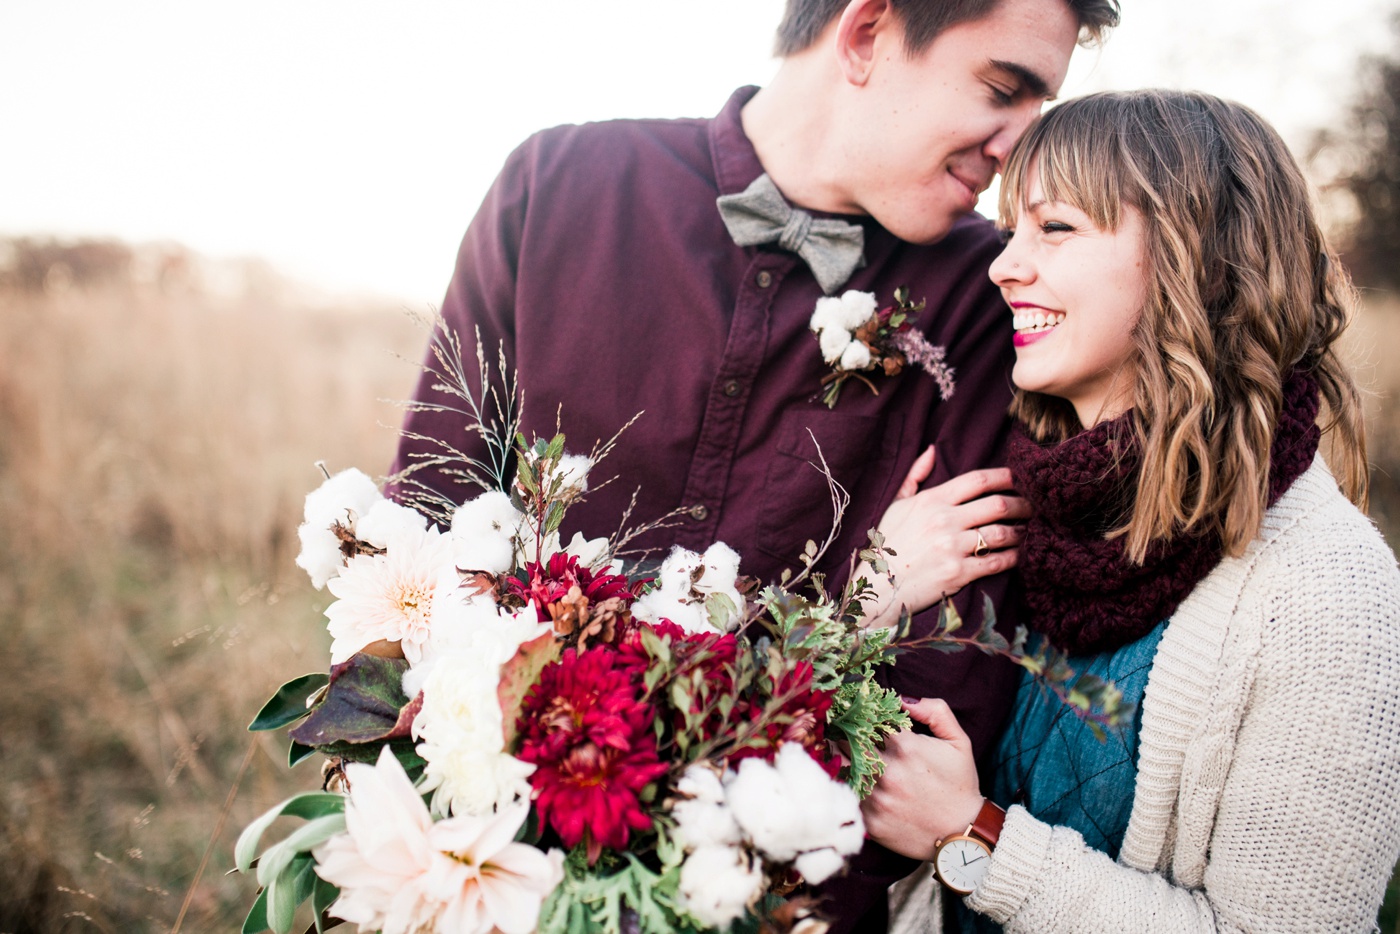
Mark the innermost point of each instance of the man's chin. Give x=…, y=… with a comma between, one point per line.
x=925, y=230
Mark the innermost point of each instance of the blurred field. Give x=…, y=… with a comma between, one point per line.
x=158, y=427
x=157, y=434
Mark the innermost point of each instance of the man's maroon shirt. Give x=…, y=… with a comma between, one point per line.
x=600, y=260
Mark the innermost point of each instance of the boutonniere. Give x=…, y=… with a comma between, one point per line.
x=858, y=337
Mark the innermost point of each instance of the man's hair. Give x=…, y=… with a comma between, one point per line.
x=1242, y=291
x=923, y=20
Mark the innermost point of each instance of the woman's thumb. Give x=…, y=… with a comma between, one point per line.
x=919, y=471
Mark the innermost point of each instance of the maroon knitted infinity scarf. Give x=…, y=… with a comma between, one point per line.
x=1084, y=593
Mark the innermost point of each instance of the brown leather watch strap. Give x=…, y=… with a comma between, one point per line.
x=988, y=822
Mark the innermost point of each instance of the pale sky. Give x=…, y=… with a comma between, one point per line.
x=349, y=142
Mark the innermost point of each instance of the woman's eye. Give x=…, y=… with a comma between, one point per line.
x=1055, y=227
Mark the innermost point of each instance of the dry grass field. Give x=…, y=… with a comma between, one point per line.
x=157, y=435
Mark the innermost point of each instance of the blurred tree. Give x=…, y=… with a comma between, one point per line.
x=1359, y=163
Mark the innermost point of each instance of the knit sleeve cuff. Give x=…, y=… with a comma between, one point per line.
x=1017, y=869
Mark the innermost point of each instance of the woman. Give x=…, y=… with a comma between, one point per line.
x=1177, y=311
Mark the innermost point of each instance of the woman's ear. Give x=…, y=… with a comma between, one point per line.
x=864, y=26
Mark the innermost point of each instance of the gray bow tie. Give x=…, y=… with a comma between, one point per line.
x=760, y=214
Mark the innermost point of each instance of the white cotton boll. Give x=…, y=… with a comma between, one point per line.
x=387, y=521
x=720, y=577
x=677, y=569
x=320, y=556
x=348, y=491
x=856, y=356
x=572, y=472
x=664, y=604
x=817, y=866
x=718, y=883
x=343, y=498
x=794, y=807
x=721, y=567
x=834, y=342
x=490, y=513
x=827, y=314
x=702, y=818
x=483, y=533
x=855, y=309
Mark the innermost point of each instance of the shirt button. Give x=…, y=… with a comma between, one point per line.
x=699, y=513
x=732, y=388
x=765, y=279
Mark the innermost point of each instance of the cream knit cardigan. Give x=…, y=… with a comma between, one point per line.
x=1268, y=788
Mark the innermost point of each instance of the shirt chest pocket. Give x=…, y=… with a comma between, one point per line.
x=860, y=452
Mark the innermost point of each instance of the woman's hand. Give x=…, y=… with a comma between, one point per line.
x=929, y=790
x=944, y=538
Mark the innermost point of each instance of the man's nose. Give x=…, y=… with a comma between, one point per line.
x=999, y=146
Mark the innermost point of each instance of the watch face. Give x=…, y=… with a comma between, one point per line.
x=962, y=863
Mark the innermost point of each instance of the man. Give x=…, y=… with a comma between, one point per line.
x=602, y=262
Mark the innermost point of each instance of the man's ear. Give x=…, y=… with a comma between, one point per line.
x=862, y=23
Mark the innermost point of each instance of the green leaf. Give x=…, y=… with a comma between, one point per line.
x=554, y=517
x=298, y=753
x=308, y=806
x=289, y=889
x=304, y=839
x=363, y=703
x=256, y=921
x=322, y=897
x=950, y=617
x=288, y=705
x=720, y=609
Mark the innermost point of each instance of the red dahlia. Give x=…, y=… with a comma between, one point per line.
x=593, y=748
x=550, y=582
x=800, y=718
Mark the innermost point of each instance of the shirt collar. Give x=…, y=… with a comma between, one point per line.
x=736, y=162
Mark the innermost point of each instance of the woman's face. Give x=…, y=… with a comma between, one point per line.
x=1076, y=291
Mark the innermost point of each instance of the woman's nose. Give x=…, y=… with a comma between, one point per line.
x=1008, y=268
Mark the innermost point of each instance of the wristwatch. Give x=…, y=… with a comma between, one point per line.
x=961, y=861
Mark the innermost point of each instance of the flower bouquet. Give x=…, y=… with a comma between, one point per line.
x=519, y=736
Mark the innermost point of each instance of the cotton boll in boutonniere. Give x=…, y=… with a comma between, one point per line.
x=857, y=337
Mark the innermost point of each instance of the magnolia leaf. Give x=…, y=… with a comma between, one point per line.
x=309, y=806
x=289, y=889
x=302, y=840
x=288, y=705
x=256, y=921
x=363, y=703
x=519, y=674
x=299, y=753
x=322, y=897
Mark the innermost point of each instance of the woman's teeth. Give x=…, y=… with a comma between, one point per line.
x=1037, y=321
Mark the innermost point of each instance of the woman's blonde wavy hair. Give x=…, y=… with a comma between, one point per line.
x=1242, y=290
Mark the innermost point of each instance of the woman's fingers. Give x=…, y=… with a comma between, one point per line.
x=971, y=485
x=988, y=538
x=918, y=473
x=997, y=508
